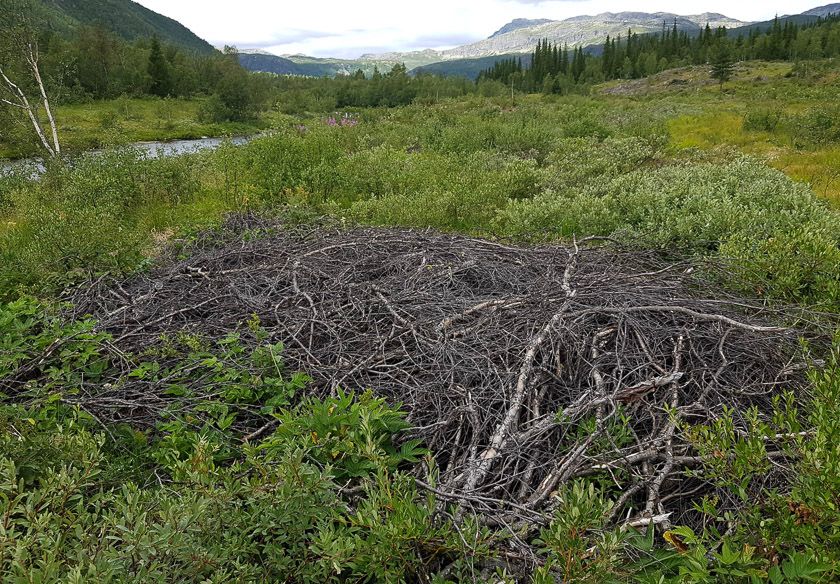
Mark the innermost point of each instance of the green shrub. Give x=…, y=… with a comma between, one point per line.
x=763, y=120
x=817, y=127
x=189, y=502
x=775, y=230
x=350, y=436
x=288, y=160
x=97, y=214
x=10, y=181
x=796, y=527
x=447, y=191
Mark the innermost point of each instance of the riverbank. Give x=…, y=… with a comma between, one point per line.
x=122, y=121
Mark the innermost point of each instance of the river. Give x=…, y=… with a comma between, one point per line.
x=151, y=149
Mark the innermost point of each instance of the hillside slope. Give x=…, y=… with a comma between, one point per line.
x=260, y=61
x=519, y=23
x=469, y=68
x=824, y=11
x=586, y=30
x=520, y=36
x=125, y=18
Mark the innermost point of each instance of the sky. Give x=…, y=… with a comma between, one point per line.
x=348, y=29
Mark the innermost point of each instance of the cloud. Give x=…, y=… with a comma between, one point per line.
x=444, y=40
x=340, y=28
x=283, y=37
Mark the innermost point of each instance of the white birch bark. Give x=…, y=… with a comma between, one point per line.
x=21, y=102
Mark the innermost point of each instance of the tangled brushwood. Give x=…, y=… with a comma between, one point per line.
x=521, y=368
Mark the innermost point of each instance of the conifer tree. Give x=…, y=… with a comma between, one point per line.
x=160, y=82
x=722, y=64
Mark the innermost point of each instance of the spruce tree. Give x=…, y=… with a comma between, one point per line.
x=160, y=82
x=722, y=64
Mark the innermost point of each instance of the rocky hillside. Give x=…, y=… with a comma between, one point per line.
x=520, y=36
x=519, y=23
x=584, y=31
x=824, y=11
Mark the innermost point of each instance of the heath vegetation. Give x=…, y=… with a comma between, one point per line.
x=424, y=329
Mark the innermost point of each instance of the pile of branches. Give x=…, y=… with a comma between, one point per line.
x=522, y=368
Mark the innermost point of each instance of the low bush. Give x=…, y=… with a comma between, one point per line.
x=816, y=127
x=763, y=120
x=325, y=496
x=98, y=213
x=771, y=227
x=188, y=501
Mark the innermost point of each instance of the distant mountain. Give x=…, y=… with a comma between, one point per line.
x=519, y=23
x=267, y=63
x=126, y=19
x=305, y=66
x=520, y=36
x=824, y=11
x=797, y=19
x=410, y=59
x=469, y=68
x=472, y=68
x=586, y=30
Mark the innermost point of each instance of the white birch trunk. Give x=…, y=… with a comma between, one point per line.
x=23, y=103
x=32, y=57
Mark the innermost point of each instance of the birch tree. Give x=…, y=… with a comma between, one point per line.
x=21, y=84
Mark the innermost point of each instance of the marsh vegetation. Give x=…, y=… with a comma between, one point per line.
x=426, y=330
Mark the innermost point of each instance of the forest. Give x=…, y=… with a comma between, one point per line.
x=422, y=329
x=556, y=69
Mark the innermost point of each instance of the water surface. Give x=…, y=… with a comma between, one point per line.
x=151, y=149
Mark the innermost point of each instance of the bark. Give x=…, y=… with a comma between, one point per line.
x=20, y=101
x=32, y=59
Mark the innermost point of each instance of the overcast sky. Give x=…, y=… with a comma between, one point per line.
x=350, y=28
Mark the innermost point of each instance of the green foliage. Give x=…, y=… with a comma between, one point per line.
x=274, y=518
x=35, y=338
x=458, y=192
x=127, y=20
x=351, y=436
x=577, y=545
x=763, y=120
x=124, y=194
x=805, y=523
x=78, y=505
x=233, y=99
x=813, y=128
x=741, y=211
x=722, y=63
x=816, y=127
x=160, y=83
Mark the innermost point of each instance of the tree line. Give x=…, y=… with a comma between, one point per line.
x=91, y=63
x=557, y=69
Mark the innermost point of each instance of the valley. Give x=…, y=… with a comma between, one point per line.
x=569, y=318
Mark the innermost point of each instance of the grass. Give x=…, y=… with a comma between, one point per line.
x=126, y=120
x=818, y=166
x=820, y=169
x=708, y=119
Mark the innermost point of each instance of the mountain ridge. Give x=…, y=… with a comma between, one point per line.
x=824, y=11
x=125, y=18
x=585, y=30
x=518, y=23
x=520, y=36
